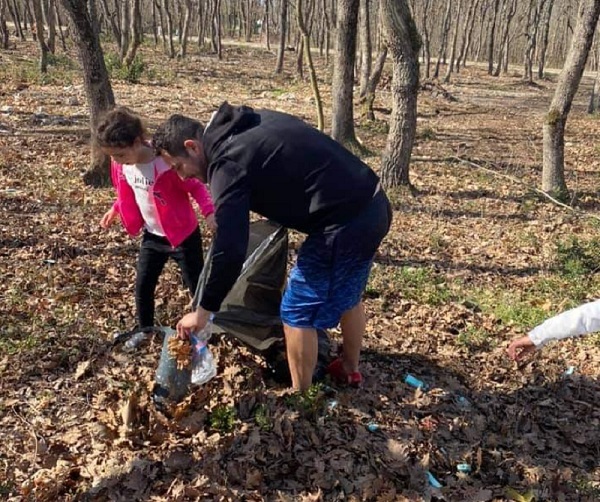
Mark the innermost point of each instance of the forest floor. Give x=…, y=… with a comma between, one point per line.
x=474, y=259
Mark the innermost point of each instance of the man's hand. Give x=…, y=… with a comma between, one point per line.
x=192, y=323
x=521, y=348
x=108, y=218
x=211, y=222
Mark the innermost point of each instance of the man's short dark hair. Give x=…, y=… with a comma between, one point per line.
x=171, y=135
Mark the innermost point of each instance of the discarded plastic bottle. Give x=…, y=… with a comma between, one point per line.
x=203, y=362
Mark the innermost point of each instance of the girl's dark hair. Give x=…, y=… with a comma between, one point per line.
x=119, y=128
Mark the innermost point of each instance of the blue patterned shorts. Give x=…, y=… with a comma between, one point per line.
x=333, y=268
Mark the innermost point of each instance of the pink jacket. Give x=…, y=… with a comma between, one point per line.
x=171, y=198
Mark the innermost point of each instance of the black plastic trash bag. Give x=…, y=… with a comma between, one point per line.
x=250, y=312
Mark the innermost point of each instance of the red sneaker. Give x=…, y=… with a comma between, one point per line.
x=337, y=372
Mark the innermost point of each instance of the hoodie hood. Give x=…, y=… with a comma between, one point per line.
x=228, y=121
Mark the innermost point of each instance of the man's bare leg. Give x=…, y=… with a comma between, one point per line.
x=302, y=353
x=353, y=324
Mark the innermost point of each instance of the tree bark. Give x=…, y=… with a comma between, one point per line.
x=374, y=79
x=4, y=34
x=16, y=16
x=282, y=34
x=426, y=41
x=467, y=34
x=135, y=38
x=39, y=28
x=553, y=178
x=491, y=37
x=543, y=45
x=443, y=38
x=97, y=84
x=511, y=8
x=342, y=129
x=186, y=28
x=450, y=67
x=404, y=44
x=170, y=34
x=48, y=8
x=366, y=50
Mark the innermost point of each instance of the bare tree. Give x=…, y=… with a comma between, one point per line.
x=510, y=6
x=169, y=21
x=369, y=98
x=366, y=51
x=4, y=35
x=39, y=29
x=592, y=105
x=216, y=29
x=543, y=45
x=404, y=44
x=491, y=36
x=533, y=20
x=135, y=36
x=426, y=42
x=186, y=28
x=444, y=38
x=16, y=16
x=282, y=34
x=342, y=129
x=467, y=34
x=50, y=18
x=450, y=68
x=97, y=84
x=553, y=177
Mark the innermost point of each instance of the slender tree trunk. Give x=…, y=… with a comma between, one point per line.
x=16, y=16
x=510, y=13
x=97, y=84
x=186, y=29
x=135, y=32
x=444, y=38
x=543, y=46
x=266, y=24
x=170, y=32
x=48, y=7
x=374, y=79
x=342, y=129
x=39, y=28
x=404, y=45
x=482, y=23
x=217, y=29
x=450, y=67
x=553, y=178
x=59, y=24
x=467, y=32
x=282, y=34
x=592, y=105
x=311, y=67
x=366, y=50
x=491, y=38
x=4, y=34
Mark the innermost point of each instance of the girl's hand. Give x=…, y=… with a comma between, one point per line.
x=520, y=348
x=211, y=222
x=109, y=217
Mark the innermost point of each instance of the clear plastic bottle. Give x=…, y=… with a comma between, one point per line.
x=203, y=362
x=136, y=340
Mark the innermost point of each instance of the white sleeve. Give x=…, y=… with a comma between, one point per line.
x=575, y=322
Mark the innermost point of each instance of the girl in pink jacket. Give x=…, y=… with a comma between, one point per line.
x=152, y=198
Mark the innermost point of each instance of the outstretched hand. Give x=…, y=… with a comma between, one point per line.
x=108, y=218
x=521, y=348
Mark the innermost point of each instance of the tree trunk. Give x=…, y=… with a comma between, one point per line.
x=266, y=24
x=592, y=105
x=404, y=44
x=543, y=45
x=444, y=38
x=450, y=68
x=482, y=19
x=135, y=38
x=4, y=34
x=510, y=13
x=374, y=79
x=97, y=84
x=467, y=32
x=553, y=178
x=16, y=16
x=48, y=7
x=124, y=29
x=426, y=42
x=170, y=34
x=216, y=37
x=342, y=128
x=39, y=29
x=533, y=18
x=366, y=50
x=59, y=23
x=282, y=34
x=491, y=37
x=186, y=29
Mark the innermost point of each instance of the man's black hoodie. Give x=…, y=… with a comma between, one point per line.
x=281, y=168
